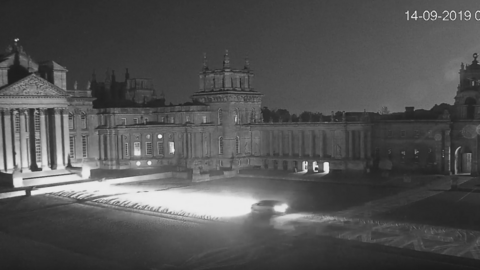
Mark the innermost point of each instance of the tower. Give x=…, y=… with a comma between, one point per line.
x=468, y=91
x=232, y=100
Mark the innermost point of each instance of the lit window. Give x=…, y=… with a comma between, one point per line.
x=159, y=136
x=204, y=119
x=220, y=145
x=172, y=120
x=135, y=121
x=84, y=146
x=84, y=120
x=71, y=120
x=171, y=148
x=136, y=149
x=237, y=145
x=235, y=116
x=416, y=155
x=124, y=121
x=148, y=148
x=253, y=116
x=162, y=119
x=187, y=118
x=72, y=147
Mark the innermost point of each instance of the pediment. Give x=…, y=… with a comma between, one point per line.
x=32, y=86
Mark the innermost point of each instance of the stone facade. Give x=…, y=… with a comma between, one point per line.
x=45, y=127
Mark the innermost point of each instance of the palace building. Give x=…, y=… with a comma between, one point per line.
x=46, y=127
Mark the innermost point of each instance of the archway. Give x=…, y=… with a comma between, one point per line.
x=463, y=161
x=315, y=166
x=326, y=167
x=470, y=102
x=304, y=165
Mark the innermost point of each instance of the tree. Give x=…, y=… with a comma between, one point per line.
x=384, y=110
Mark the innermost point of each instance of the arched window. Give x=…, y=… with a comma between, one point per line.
x=237, y=145
x=71, y=120
x=219, y=116
x=83, y=118
x=220, y=145
x=236, y=120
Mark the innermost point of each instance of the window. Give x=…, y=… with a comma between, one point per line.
x=253, y=116
x=416, y=155
x=160, y=148
x=162, y=119
x=172, y=119
x=145, y=120
x=220, y=145
x=17, y=122
x=38, y=150
x=235, y=116
x=71, y=121
x=204, y=119
x=84, y=120
x=403, y=133
x=237, y=145
x=124, y=121
x=136, y=149
x=219, y=116
x=148, y=148
x=126, y=150
x=72, y=147
x=389, y=133
x=135, y=121
x=36, y=117
x=187, y=118
x=171, y=148
x=84, y=146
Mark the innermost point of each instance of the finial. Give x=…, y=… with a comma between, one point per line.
x=127, y=75
x=247, y=63
x=113, y=75
x=226, y=60
x=205, y=62
x=94, y=77
x=75, y=85
x=475, y=55
x=462, y=66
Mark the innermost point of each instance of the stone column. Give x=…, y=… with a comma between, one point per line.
x=193, y=144
x=271, y=143
x=300, y=143
x=290, y=143
x=101, y=154
x=320, y=143
x=2, y=148
x=66, y=137
x=369, y=143
x=43, y=139
x=362, y=144
x=312, y=143
x=23, y=142
x=280, y=142
x=7, y=116
x=58, y=139
x=350, y=144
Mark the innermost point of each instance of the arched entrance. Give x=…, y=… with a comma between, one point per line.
x=315, y=166
x=326, y=167
x=463, y=161
x=470, y=102
x=304, y=165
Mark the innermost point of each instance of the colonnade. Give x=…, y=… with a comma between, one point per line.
x=33, y=139
x=351, y=144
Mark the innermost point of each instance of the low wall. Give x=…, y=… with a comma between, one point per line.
x=207, y=177
x=148, y=177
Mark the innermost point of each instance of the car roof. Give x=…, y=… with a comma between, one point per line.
x=269, y=202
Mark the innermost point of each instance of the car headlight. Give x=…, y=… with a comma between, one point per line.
x=280, y=208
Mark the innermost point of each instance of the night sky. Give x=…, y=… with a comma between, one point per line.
x=307, y=55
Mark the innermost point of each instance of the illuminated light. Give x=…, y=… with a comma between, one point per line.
x=159, y=136
x=149, y=163
x=85, y=171
x=280, y=208
x=138, y=163
x=194, y=203
x=326, y=167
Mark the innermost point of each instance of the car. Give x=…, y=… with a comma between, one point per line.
x=272, y=207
